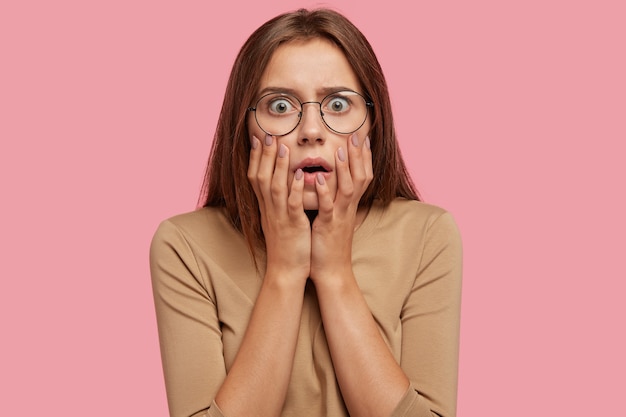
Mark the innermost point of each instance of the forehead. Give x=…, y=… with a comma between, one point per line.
x=309, y=68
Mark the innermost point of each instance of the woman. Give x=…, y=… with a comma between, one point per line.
x=312, y=282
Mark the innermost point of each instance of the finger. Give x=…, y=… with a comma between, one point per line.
x=345, y=187
x=367, y=160
x=357, y=166
x=294, y=202
x=279, y=186
x=266, y=167
x=325, y=202
x=253, y=165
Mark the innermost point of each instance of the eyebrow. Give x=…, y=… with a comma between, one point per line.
x=321, y=91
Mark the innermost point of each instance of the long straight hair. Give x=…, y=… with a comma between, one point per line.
x=226, y=183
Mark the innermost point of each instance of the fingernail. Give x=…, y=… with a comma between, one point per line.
x=282, y=150
x=367, y=142
x=299, y=174
x=320, y=179
x=268, y=140
x=355, y=140
x=341, y=154
x=255, y=142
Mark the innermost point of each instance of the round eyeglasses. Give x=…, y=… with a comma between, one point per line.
x=343, y=112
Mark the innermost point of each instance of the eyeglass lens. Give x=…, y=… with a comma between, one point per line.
x=279, y=113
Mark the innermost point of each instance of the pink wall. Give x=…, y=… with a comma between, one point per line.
x=512, y=117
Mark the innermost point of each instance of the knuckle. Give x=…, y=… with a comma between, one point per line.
x=348, y=191
x=326, y=210
x=362, y=179
x=292, y=204
x=262, y=178
x=275, y=187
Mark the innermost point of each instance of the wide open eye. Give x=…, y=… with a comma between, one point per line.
x=280, y=105
x=337, y=104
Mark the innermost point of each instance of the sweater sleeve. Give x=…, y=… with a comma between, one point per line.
x=430, y=325
x=188, y=324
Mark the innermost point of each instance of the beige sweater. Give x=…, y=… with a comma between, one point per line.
x=407, y=261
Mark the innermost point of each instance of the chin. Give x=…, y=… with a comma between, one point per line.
x=310, y=200
x=311, y=205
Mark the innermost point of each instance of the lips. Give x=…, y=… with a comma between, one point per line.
x=313, y=166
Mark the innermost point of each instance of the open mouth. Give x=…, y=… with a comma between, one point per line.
x=314, y=168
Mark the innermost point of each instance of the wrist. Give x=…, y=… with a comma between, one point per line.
x=285, y=279
x=335, y=278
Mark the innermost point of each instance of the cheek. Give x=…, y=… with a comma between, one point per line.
x=364, y=131
x=254, y=129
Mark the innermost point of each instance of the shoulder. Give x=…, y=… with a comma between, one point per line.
x=412, y=215
x=413, y=224
x=413, y=208
x=204, y=227
x=201, y=217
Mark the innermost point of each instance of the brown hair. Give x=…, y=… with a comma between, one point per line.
x=226, y=183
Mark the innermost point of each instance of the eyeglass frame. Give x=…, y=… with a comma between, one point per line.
x=368, y=105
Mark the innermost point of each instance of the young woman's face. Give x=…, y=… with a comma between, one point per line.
x=309, y=71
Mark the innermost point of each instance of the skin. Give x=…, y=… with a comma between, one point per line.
x=309, y=68
x=371, y=381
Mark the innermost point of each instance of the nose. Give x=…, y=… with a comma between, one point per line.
x=312, y=127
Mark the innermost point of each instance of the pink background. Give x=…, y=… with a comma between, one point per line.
x=512, y=115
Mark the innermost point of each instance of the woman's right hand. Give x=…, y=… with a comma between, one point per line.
x=268, y=347
x=285, y=225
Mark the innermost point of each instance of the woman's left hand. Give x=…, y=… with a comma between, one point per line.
x=333, y=228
